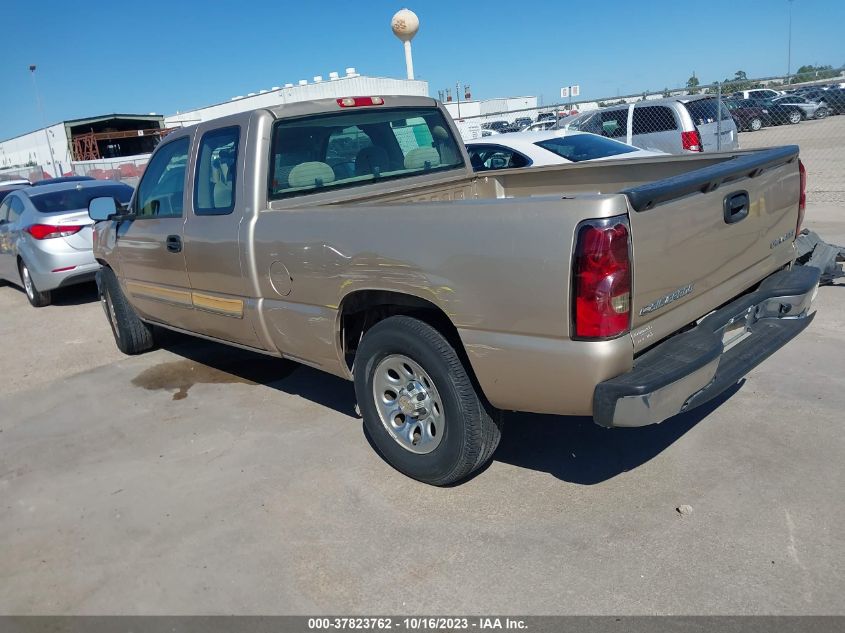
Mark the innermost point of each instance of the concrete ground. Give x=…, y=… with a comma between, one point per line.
x=198, y=479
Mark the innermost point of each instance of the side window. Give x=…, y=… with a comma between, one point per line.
x=4, y=211
x=162, y=188
x=614, y=123
x=650, y=119
x=217, y=160
x=16, y=208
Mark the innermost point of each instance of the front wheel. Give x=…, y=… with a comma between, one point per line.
x=37, y=298
x=795, y=117
x=131, y=334
x=822, y=113
x=755, y=124
x=420, y=407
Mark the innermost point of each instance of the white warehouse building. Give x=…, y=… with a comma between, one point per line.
x=349, y=85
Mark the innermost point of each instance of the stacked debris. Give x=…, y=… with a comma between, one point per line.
x=814, y=251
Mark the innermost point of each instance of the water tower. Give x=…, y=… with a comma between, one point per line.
x=405, y=25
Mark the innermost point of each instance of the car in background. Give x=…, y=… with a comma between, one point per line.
x=53, y=181
x=522, y=122
x=547, y=116
x=809, y=109
x=554, y=147
x=496, y=126
x=541, y=126
x=677, y=125
x=779, y=113
x=486, y=132
x=757, y=93
x=46, y=236
x=5, y=189
x=746, y=115
x=831, y=98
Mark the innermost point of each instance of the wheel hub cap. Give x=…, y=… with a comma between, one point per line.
x=408, y=404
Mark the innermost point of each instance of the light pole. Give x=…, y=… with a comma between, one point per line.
x=43, y=123
x=789, y=45
x=458, y=96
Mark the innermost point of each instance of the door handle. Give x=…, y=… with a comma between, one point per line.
x=174, y=244
x=736, y=207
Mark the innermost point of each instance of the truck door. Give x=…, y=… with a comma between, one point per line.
x=220, y=290
x=149, y=246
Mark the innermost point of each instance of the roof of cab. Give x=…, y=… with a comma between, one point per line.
x=327, y=106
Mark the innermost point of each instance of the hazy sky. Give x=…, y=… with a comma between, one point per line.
x=154, y=56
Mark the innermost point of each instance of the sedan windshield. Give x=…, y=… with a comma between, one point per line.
x=78, y=199
x=579, y=147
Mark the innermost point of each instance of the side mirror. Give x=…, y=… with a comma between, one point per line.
x=103, y=208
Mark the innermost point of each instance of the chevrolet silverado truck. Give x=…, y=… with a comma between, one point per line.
x=351, y=235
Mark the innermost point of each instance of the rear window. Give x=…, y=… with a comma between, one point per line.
x=704, y=111
x=579, y=147
x=651, y=119
x=78, y=199
x=359, y=147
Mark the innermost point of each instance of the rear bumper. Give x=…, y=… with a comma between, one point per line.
x=695, y=366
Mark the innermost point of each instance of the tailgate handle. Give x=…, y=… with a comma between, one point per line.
x=736, y=207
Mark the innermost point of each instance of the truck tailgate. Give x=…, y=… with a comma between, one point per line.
x=701, y=238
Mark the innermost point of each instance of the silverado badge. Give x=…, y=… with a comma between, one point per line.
x=666, y=300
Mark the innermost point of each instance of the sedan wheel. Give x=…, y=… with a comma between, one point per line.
x=822, y=113
x=755, y=125
x=37, y=298
x=795, y=117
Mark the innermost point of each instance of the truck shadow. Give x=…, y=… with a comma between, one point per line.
x=570, y=448
x=577, y=450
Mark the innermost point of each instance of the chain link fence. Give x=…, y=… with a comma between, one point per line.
x=804, y=110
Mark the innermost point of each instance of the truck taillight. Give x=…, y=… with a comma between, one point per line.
x=48, y=231
x=802, y=198
x=692, y=141
x=601, y=279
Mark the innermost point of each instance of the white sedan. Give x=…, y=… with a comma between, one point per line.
x=553, y=147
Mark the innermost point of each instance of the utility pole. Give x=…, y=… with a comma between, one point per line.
x=458, y=96
x=43, y=123
x=789, y=45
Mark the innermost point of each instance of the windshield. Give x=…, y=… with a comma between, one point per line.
x=580, y=147
x=78, y=199
x=358, y=147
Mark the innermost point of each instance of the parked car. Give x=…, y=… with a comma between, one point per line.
x=746, y=115
x=809, y=109
x=547, y=116
x=45, y=236
x=541, y=126
x=833, y=99
x=628, y=290
x=674, y=125
x=53, y=181
x=757, y=93
x=5, y=189
x=496, y=126
x=554, y=147
x=779, y=113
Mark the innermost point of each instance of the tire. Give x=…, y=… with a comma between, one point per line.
x=37, y=298
x=131, y=334
x=821, y=113
x=755, y=124
x=795, y=117
x=453, y=433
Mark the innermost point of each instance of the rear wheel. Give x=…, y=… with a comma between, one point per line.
x=755, y=125
x=822, y=113
x=36, y=297
x=131, y=334
x=420, y=407
x=795, y=117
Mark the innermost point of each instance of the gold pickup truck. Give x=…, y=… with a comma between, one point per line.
x=352, y=235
